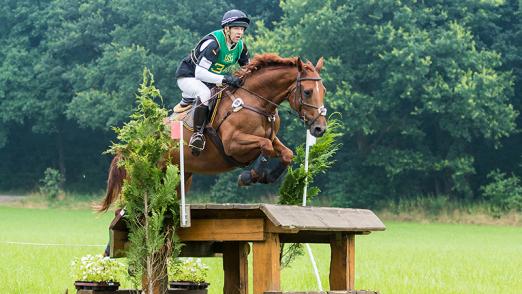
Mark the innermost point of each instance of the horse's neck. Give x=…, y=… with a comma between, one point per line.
x=272, y=83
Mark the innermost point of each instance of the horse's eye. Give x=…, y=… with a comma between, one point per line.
x=308, y=93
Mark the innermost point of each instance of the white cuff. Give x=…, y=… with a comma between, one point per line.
x=206, y=76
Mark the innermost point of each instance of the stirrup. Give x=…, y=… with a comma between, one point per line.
x=197, y=143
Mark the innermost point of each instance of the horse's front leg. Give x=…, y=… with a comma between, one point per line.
x=243, y=143
x=284, y=152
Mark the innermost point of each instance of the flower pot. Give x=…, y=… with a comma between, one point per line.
x=97, y=286
x=182, y=287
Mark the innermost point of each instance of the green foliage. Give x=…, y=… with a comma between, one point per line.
x=320, y=159
x=503, y=192
x=51, y=183
x=414, y=85
x=224, y=189
x=430, y=90
x=97, y=268
x=149, y=196
x=290, y=253
x=70, y=65
x=430, y=205
x=187, y=270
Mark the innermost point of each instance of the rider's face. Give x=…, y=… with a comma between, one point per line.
x=236, y=33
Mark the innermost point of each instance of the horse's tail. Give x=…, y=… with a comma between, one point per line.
x=114, y=184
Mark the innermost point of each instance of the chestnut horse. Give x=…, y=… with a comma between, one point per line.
x=247, y=120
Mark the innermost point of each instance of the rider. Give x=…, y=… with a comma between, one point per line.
x=208, y=64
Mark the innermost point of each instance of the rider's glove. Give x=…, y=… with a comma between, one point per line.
x=232, y=81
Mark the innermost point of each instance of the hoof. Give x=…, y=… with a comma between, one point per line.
x=244, y=179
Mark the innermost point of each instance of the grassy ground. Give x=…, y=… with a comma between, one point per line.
x=406, y=258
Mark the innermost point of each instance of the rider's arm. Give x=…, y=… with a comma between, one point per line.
x=208, y=55
x=244, y=58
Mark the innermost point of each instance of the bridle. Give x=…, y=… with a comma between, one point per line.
x=321, y=110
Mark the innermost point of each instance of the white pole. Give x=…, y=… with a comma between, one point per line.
x=310, y=140
x=314, y=266
x=307, y=151
x=182, y=175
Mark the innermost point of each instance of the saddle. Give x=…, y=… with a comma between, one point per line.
x=186, y=114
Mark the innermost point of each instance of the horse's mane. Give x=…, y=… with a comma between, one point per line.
x=263, y=60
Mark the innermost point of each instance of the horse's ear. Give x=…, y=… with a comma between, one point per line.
x=319, y=64
x=300, y=65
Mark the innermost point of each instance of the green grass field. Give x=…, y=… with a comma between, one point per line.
x=406, y=258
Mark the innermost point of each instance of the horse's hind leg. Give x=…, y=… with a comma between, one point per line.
x=268, y=172
x=265, y=171
x=254, y=175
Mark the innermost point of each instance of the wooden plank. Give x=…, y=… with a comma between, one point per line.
x=235, y=267
x=118, y=240
x=323, y=218
x=223, y=230
x=225, y=206
x=195, y=206
x=271, y=228
x=266, y=264
x=246, y=206
x=219, y=206
x=351, y=261
x=118, y=222
x=342, y=262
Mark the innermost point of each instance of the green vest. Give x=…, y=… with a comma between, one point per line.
x=226, y=57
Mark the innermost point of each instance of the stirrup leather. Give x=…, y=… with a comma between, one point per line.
x=197, y=142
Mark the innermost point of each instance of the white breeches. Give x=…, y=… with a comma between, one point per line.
x=192, y=88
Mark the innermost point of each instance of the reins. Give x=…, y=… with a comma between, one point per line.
x=298, y=101
x=271, y=117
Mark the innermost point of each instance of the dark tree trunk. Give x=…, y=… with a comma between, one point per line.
x=61, y=155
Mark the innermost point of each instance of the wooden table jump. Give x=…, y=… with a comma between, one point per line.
x=228, y=229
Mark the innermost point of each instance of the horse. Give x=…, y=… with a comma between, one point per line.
x=247, y=122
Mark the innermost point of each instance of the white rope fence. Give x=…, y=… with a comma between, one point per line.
x=50, y=244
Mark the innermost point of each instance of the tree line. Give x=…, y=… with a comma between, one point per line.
x=429, y=92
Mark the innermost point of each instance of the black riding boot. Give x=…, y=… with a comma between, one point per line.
x=197, y=141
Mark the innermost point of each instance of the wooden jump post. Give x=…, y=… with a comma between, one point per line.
x=227, y=229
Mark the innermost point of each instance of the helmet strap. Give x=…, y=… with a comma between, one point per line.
x=227, y=35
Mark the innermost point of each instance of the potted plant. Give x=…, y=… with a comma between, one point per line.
x=188, y=275
x=96, y=272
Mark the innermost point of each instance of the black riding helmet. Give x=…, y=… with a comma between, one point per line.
x=235, y=18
